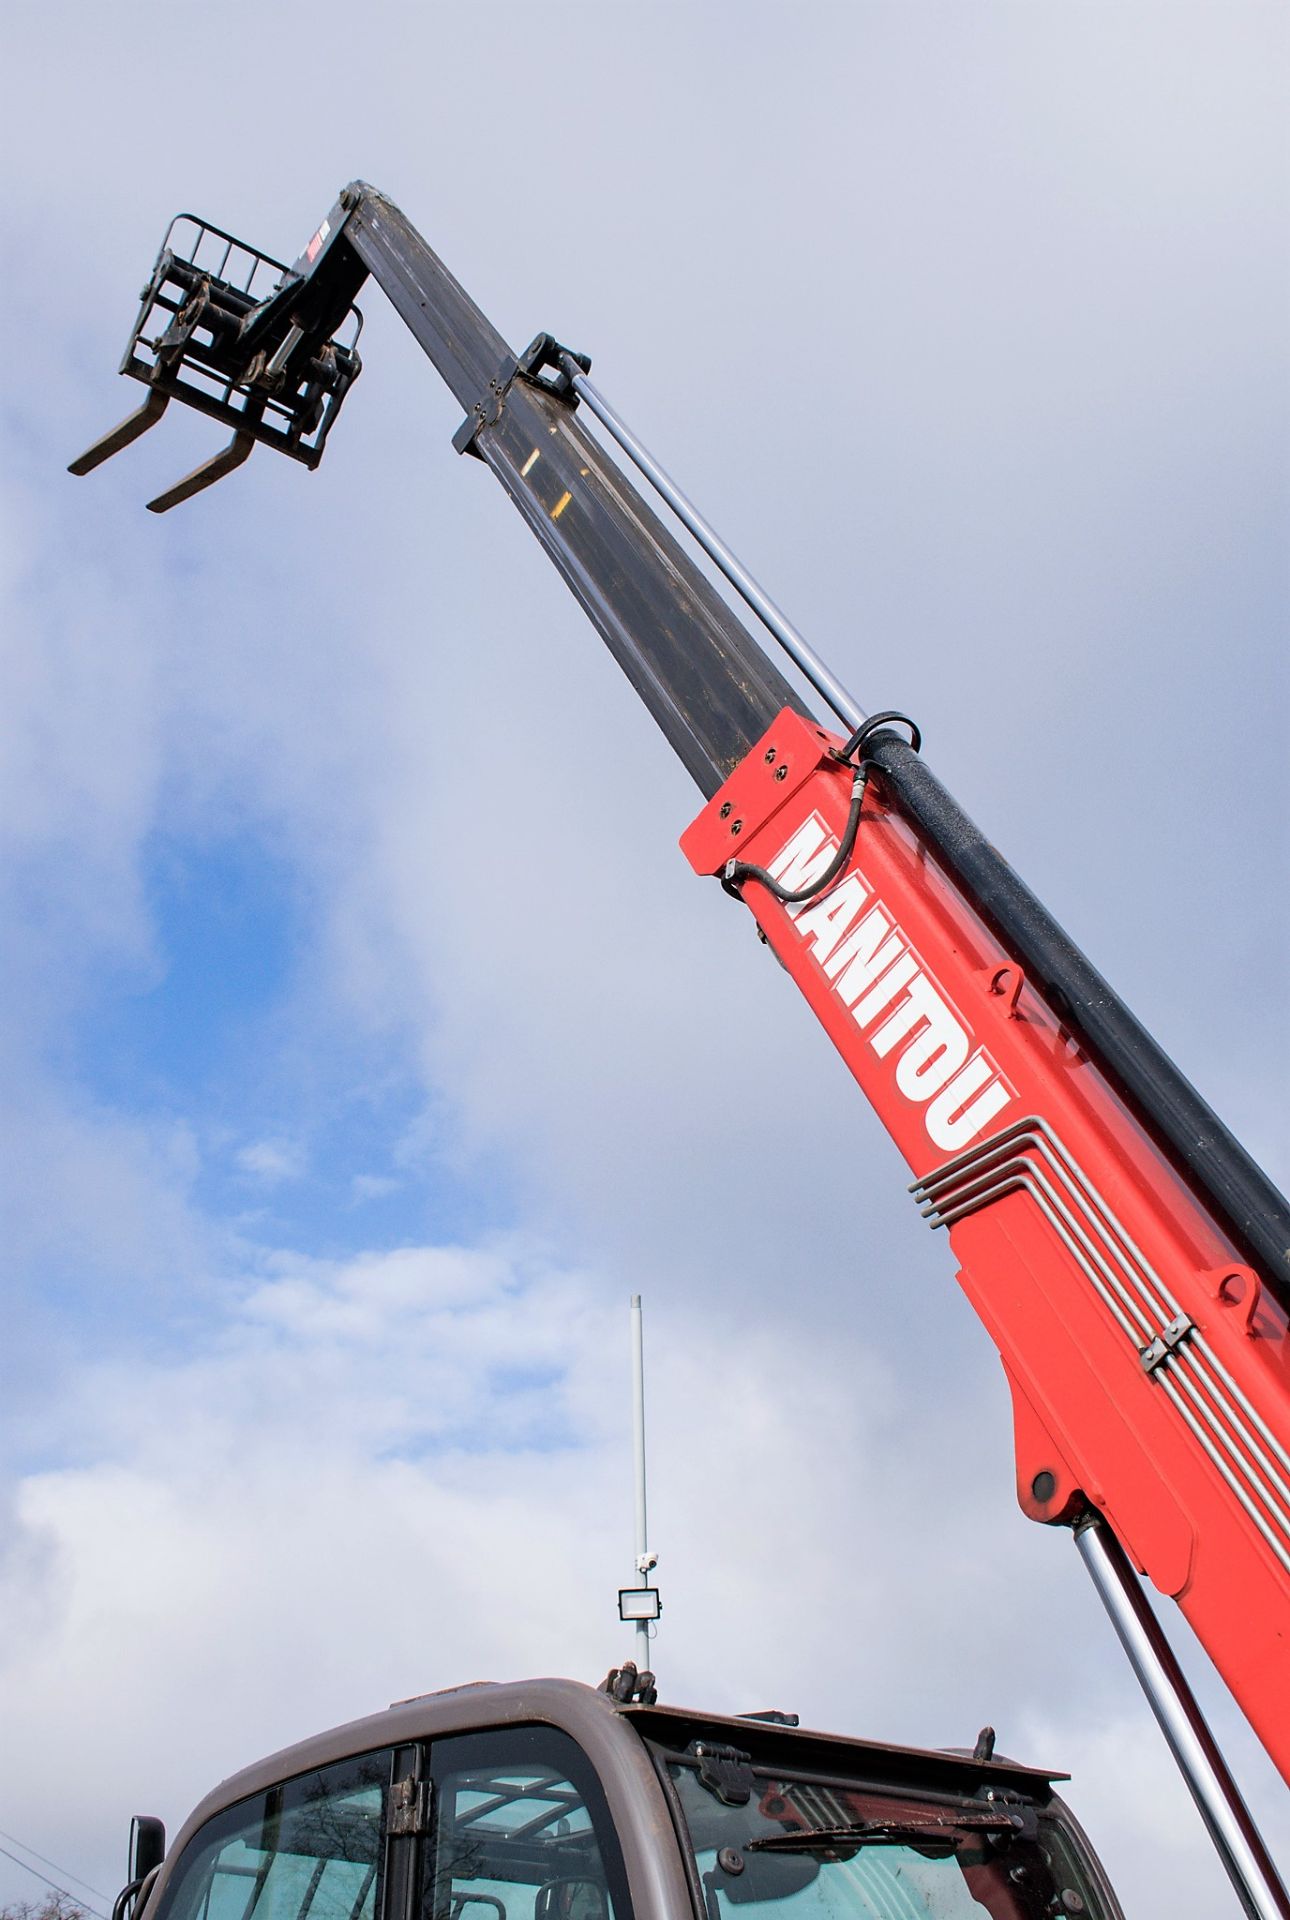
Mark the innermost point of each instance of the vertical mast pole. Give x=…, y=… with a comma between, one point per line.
x=643, y=1562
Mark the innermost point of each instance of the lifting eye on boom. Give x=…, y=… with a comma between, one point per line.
x=269, y=350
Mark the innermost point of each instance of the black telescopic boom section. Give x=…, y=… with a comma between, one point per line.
x=704, y=679
x=714, y=692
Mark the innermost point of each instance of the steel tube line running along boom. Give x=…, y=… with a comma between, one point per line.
x=1128, y=1258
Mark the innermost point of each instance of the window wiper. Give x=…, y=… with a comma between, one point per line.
x=940, y=1831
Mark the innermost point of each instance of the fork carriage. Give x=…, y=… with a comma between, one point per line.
x=243, y=338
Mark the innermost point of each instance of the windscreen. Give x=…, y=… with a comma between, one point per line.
x=802, y=1849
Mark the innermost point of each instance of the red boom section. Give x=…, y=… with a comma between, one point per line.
x=1149, y=1367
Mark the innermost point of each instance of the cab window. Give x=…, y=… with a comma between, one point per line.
x=522, y=1831
x=306, y=1849
x=802, y=1848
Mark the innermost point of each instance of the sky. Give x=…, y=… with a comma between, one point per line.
x=367, y=1041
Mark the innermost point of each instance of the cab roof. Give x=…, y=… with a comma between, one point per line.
x=808, y=1749
x=592, y=1718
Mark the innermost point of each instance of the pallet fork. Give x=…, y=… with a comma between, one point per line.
x=241, y=337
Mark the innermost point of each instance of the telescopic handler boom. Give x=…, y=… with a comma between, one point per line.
x=1128, y=1258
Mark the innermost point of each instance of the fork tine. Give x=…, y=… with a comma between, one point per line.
x=120, y=436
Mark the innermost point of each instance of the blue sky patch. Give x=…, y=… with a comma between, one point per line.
x=310, y=1134
x=228, y=919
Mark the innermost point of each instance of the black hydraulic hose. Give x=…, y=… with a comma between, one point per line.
x=736, y=872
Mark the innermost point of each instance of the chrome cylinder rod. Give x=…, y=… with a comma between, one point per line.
x=826, y=684
x=1210, y=1783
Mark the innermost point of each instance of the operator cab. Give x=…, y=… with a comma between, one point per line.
x=548, y=1800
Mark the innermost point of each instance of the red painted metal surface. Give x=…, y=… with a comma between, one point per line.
x=1149, y=1370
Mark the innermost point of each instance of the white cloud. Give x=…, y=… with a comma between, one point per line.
x=443, y=1423
x=270, y=1162
x=372, y=1186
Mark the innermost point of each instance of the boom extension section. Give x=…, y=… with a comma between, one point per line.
x=1129, y=1259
